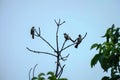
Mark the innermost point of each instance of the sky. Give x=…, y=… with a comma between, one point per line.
x=81, y=16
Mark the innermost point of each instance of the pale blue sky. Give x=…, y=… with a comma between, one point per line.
x=18, y=16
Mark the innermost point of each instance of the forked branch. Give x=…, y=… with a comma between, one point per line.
x=39, y=35
x=58, y=55
x=58, y=25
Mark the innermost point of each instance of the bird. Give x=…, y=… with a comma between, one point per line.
x=32, y=32
x=78, y=40
x=67, y=37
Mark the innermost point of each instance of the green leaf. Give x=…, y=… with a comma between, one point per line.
x=94, y=45
x=50, y=73
x=52, y=76
x=108, y=43
x=107, y=33
x=105, y=78
x=34, y=78
x=95, y=60
x=104, y=61
x=41, y=76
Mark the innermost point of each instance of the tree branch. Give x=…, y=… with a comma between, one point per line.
x=64, y=58
x=59, y=22
x=48, y=43
x=61, y=71
x=39, y=35
x=84, y=35
x=39, y=31
x=58, y=25
x=41, y=52
x=57, y=38
x=29, y=73
x=57, y=45
x=63, y=45
x=67, y=46
x=70, y=44
x=57, y=64
x=34, y=69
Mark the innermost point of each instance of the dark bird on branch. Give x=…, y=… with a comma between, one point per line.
x=67, y=37
x=32, y=32
x=78, y=40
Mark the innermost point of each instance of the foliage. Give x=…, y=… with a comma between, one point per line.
x=109, y=53
x=50, y=76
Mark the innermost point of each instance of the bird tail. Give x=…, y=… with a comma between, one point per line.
x=33, y=36
x=76, y=46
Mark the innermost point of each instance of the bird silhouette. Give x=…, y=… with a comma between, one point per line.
x=67, y=37
x=78, y=40
x=32, y=32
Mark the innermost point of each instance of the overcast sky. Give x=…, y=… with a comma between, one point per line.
x=81, y=16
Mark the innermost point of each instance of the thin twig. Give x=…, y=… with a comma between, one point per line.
x=63, y=45
x=67, y=46
x=56, y=23
x=58, y=66
x=36, y=32
x=84, y=35
x=61, y=71
x=29, y=73
x=62, y=22
x=59, y=22
x=64, y=58
x=39, y=31
x=48, y=43
x=34, y=69
x=39, y=35
x=41, y=52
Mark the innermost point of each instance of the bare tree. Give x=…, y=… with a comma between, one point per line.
x=56, y=52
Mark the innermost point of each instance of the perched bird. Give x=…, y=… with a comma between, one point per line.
x=78, y=40
x=67, y=37
x=32, y=32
